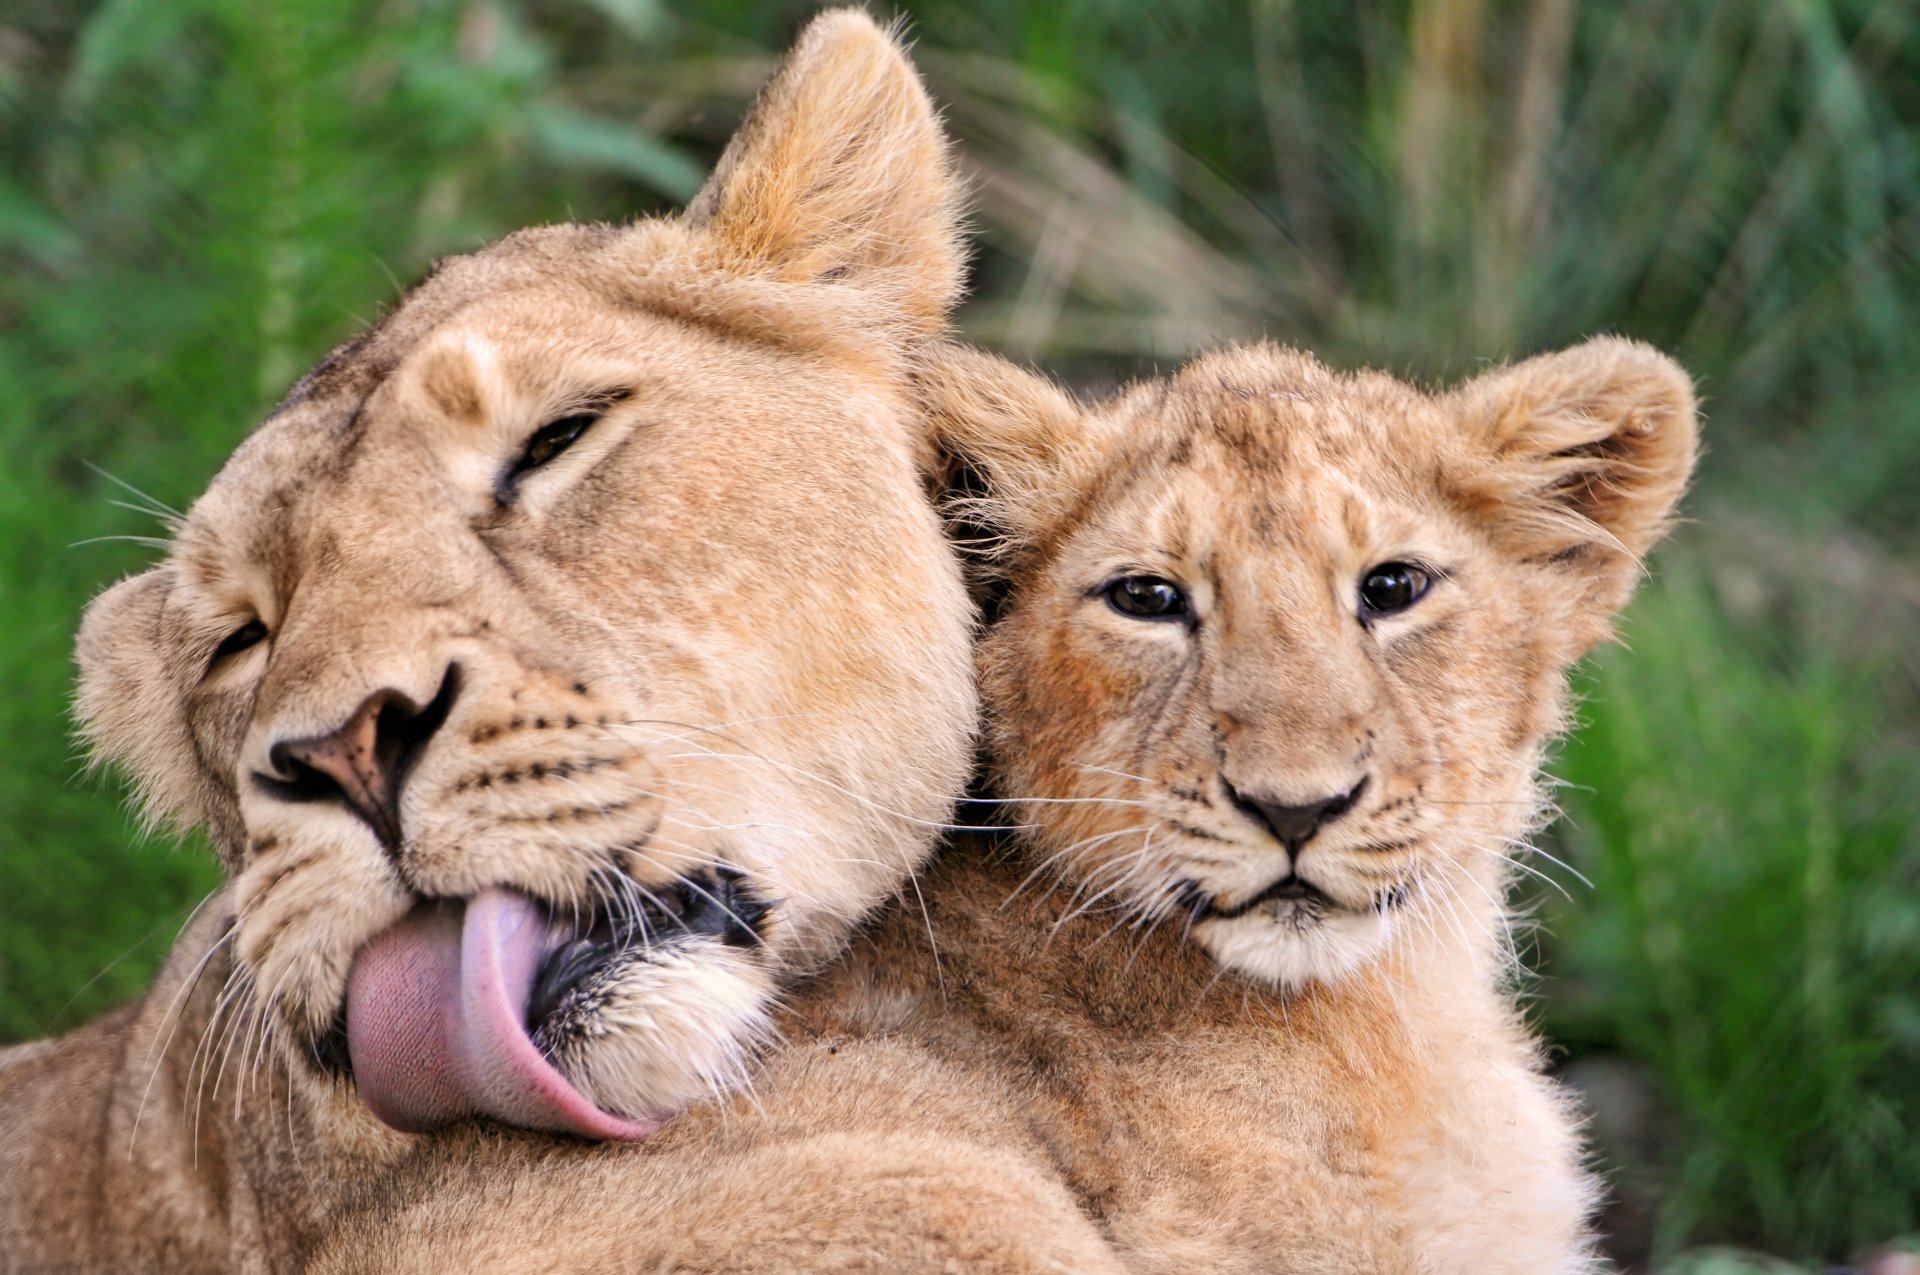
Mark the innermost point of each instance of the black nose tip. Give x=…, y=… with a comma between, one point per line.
x=1295, y=825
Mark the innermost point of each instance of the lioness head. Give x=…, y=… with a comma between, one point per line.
x=1282, y=648
x=576, y=647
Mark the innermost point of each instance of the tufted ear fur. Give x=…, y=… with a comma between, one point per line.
x=1016, y=447
x=127, y=708
x=841, y=173
x=1581, y=457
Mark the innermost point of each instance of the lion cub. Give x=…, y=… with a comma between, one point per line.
x=1278, y=658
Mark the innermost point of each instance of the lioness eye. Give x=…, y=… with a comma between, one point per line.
x=1147, y=598
x=240, y=639
x=1392, y=586
x=553, y=438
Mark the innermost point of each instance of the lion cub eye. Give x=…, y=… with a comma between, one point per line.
x=1391, y=587
x=248, y=634
x=1148, y=598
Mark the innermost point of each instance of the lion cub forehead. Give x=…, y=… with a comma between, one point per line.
x=1267, y=446
x=1272, y=423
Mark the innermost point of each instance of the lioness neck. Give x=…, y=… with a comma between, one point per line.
x=112, y=1160
x=164, y=1137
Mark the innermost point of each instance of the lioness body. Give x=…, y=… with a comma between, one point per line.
x=125, y=1153
x=1194, y=1122
x=585, y=618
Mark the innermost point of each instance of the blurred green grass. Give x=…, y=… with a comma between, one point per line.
x=197, y=197
x=1751, y=931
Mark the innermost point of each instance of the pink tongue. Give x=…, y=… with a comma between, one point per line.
x=436, y=1023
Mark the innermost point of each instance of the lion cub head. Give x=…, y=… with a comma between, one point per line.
x=576, y=648
x=1281, y=649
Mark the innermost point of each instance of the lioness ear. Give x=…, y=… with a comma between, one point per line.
x=841, y=172
x=127, y=708
x=1019, y=449
x=1584, y=454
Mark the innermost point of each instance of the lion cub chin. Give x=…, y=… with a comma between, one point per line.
x=569, y=659
x=1276, y=657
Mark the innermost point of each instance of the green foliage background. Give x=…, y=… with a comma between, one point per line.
x=197, y=197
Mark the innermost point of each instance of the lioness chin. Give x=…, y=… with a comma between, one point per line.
x=567, y=660
x=1278, y=657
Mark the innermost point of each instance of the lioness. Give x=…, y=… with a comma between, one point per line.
x=567, y=657
x=1279, y=656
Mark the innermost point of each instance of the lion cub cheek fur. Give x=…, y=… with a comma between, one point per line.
x=719, y=632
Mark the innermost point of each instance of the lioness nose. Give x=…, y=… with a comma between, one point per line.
x=1295, y=825
x=365, y=761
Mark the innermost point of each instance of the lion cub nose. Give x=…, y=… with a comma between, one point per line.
x=365, y=761
x=1295, y=825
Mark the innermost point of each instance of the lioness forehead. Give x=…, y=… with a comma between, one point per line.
x=545, y=288
x=563, y=258
x=314, y=433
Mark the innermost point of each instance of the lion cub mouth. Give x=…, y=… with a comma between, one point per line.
x=1289, y=895
x=455, y=1010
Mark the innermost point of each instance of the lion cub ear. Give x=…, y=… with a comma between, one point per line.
x=1583, y=455
x=127, y=708
x=1017, y=451
x=841, y=172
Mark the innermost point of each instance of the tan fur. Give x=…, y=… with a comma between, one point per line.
x=722, y=628
x=1268, y=488
x=1355, y=1090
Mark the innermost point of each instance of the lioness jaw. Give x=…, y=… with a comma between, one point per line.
x=583, y=627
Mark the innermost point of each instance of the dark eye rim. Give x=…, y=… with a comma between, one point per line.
x=552, y=440
x=1182, y=612
x=247, y=636
x=1424, y=577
